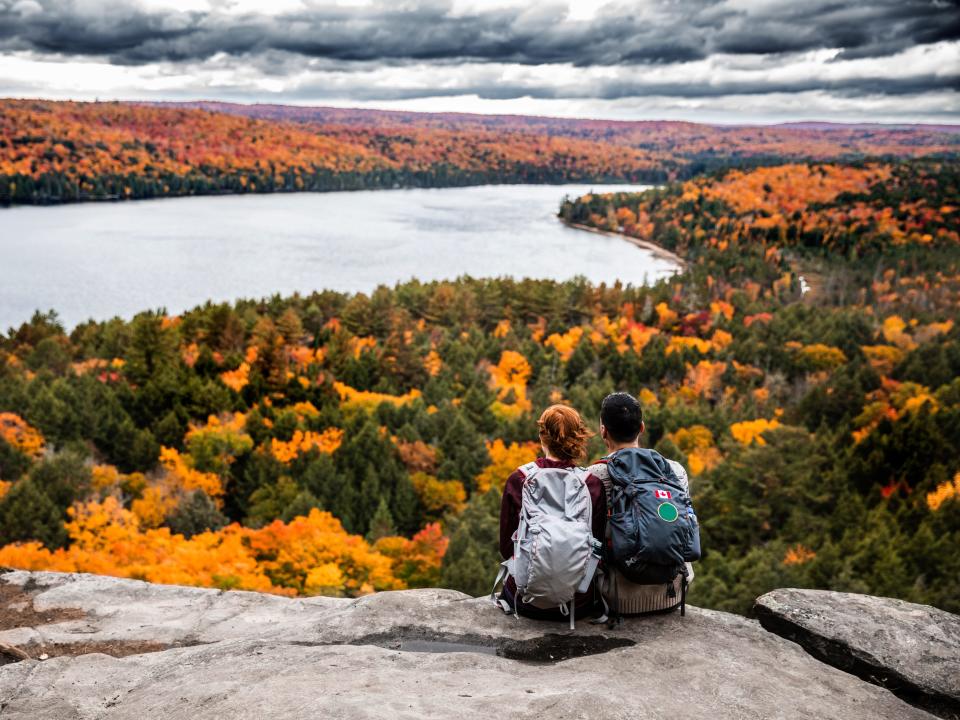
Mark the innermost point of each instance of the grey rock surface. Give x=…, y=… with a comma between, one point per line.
x=914, y=650
x=410, y=654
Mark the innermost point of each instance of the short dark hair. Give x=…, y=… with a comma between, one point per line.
x=622, y=416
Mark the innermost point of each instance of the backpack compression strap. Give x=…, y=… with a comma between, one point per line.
x=505, y=571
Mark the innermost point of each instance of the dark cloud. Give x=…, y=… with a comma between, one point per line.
x=652, y=32
x=620, y=89
x=325, y=52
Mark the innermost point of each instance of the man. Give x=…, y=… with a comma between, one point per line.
x=621, y=424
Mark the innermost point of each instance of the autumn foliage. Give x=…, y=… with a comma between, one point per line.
x=310, y=555
x=65, y=151
x=803, y=366
x=18, y=434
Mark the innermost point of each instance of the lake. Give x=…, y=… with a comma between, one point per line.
x=100, y=260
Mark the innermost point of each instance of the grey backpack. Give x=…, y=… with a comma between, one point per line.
x=554, y=552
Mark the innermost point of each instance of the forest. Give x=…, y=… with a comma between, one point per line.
x=56, y=152
x=805, y=367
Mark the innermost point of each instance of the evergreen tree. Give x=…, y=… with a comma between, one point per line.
x=28, y=513
x=152, y=347
x=50, y=354
x=269, y=502
x=369, y=469
x=196, y=513
x=64, y=479
x=300, y=506
x=463, y=452
x=471, y=560
x=476, y=405
x=13, y=463
x=257, y=470
x=381, y=524
x=405, y=506
x=169, y=430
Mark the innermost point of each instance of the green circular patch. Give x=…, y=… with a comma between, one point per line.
x=668, y=512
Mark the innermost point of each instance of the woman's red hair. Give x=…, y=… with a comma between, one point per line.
x=563, y=433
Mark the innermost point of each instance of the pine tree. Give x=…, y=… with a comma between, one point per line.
x=13, y=463
x=381, y=525
x=151, y=347
x=195, y=514
x=476, y=405
x=464, y=454
x=470, y=562
x=64, y=479
x=27, y=513
x=370, y=494
x=290, y=327
x=405, y=505
x=270, y=501
x=300, y=506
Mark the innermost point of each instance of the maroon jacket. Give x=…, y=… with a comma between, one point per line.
x=510, y=518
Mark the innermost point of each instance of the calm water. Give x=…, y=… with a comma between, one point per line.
x=101, y=260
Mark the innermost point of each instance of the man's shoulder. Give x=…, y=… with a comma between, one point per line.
x=676, y=466
x=599, y=469
x=680, y=471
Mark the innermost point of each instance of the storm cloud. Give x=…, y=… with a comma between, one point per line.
x=655, y=32
x=680, y=48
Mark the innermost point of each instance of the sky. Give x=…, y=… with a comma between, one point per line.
x=720, y=61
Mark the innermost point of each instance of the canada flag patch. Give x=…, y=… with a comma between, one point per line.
x=662, y=494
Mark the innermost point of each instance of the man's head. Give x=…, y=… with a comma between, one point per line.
x=621, y=419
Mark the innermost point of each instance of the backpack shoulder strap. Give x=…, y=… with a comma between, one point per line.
x=529, y=469
x=581, y=472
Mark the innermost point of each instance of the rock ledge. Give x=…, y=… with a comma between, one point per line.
x=410, y=654
x=912, y=650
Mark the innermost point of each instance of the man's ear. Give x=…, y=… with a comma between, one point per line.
x=642, y=428
x=603, y=432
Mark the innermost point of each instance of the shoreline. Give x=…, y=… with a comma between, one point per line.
x=118, y=199
x=658, y=250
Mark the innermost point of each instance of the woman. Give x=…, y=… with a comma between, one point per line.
x=563, y=438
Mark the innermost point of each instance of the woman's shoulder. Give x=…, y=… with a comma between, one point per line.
x=527, y=468
x=516, y=478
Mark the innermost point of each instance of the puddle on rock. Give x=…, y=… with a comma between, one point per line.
x=443, y=646
x=551, y=648
x=556, y=648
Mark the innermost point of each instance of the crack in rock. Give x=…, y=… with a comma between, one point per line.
x=806, y=628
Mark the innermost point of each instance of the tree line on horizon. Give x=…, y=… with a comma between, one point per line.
x=58, y=152
x=339, y=443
